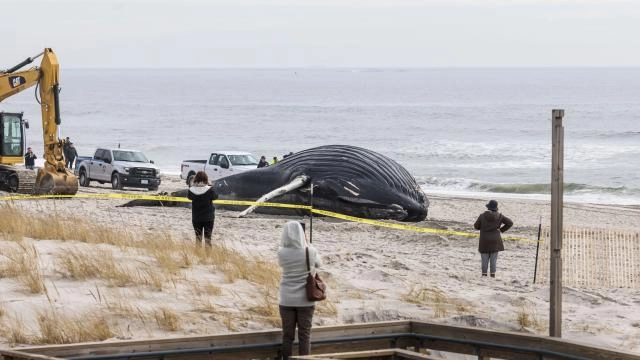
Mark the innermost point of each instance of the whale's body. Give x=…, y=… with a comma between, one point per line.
x=346, y=179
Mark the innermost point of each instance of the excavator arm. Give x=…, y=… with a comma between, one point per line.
x=53, y=177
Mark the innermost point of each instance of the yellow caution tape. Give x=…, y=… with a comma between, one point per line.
x=332, y=214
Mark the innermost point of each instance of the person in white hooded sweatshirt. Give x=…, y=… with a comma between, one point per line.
x=202, y=209
x=295, y=309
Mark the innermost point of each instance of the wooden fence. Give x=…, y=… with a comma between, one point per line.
x=594, y=258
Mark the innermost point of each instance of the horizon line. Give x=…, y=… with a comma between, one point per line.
x=355, y=67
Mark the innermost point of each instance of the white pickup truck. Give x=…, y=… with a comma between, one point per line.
x=220, y=164
x=120, y=167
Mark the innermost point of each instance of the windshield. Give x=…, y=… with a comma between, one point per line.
x=243, y=160
x=12, y=136
x=133, y=156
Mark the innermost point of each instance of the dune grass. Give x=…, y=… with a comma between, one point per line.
x=12, y=328
x=58, y=327
x=21, y=261
x=441, y=304
x=113, y=254
x=167, y=319
x=526, y=316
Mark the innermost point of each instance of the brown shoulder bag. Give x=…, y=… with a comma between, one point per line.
x=315, y=286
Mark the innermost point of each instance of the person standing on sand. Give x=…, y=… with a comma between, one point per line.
x=491, y=224
x=71, y=155
x=295, y=308
x=202, y=209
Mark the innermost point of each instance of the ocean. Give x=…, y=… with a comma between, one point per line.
x=471, y=132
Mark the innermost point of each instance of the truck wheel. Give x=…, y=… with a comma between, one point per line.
x=190, y=179
x=116, y=181
x=153, y=188
x=84, y=179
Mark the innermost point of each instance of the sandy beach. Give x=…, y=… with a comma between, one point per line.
x=373, y=273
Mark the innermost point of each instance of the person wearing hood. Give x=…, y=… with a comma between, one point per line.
x=491, y=224
x=263, y=162
x=202, y=209
x=295, y=308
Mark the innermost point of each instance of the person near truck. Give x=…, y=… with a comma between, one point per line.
x=202, y=195
x=491, y=224
x=70, y=155
x=263, y=162
x=30, y=159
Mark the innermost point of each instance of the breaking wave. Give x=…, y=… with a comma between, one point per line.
x=522, y=188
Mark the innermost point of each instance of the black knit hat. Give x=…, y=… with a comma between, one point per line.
x=492, y=205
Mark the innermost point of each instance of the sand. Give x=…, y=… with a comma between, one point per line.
x=374, y=273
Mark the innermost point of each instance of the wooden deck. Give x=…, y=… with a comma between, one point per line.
x=381, y=340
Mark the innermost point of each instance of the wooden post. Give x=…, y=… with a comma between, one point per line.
x=557, y=182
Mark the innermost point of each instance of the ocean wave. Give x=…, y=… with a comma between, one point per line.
x=613, y=135
x=524, y=188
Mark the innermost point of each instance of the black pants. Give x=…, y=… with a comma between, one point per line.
x=199, y=227
x=302, y=317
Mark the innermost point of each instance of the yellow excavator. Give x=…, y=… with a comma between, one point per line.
x=53, y=177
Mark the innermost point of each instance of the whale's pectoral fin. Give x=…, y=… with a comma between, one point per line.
x=294, y=184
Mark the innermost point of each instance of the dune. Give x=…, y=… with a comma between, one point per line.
x=159, y=285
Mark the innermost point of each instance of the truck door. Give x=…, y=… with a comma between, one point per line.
x=98, y=164
x=225, y=166
x=213, y=169
x=95, y=168
x=107, y=167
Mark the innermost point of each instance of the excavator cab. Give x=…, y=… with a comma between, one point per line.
x=12, y=139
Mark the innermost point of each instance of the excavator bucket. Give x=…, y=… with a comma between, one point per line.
x=56, y=182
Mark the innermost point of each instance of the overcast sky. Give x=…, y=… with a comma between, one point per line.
x=322, y=33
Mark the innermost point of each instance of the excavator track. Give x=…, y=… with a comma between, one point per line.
x=16, y=180
x=26, y=181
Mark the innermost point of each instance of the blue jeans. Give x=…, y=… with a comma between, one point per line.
x=489, y=258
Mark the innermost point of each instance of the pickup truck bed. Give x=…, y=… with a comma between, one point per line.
x=219, y=165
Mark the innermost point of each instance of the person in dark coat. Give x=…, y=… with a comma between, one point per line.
x=202, y=209
x=263, y=162
x=71, y=155
x=30, y=159
x=491, y=224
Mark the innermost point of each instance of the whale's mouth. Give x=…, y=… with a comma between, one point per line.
x=375, y=210
x=393, y=212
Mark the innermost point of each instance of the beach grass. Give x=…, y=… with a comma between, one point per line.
x=149, y=260
x=58, y=327
x=167, y=319
x=441, y=304
x=22, y=262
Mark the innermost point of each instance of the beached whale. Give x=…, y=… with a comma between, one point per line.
x=346, y=179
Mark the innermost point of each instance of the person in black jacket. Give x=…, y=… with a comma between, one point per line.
x=491, y=224
x=263, y=162
x=202, y=209
x=29, y=159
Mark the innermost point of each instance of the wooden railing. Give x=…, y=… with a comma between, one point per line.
x=415, y=336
